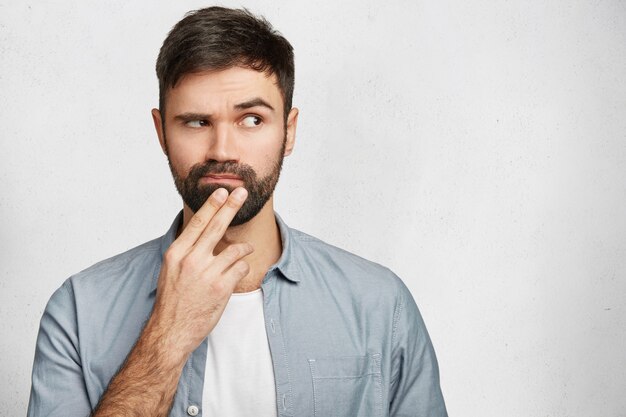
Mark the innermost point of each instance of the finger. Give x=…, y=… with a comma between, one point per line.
x=201, y=219
x=235, y=274
x=217, y=226
x=229, y=256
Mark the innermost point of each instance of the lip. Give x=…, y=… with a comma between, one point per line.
x=225, y=176
x=212, y=178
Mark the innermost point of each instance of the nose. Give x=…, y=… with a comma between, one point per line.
x=223, y=146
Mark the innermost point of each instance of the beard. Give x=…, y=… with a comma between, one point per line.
x=259, y=190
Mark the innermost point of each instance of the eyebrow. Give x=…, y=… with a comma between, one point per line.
x=188, y=117
x=255, y=102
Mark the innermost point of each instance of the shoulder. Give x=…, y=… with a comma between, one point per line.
x=134, y=267
x=331, y=263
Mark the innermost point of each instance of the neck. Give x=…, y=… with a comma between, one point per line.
x=262, y=233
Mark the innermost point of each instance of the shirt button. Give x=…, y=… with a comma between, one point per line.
x=192, y=410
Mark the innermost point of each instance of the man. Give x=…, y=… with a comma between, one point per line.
x=231, y=312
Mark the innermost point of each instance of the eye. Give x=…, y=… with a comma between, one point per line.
x=251, y=121
x=196, y=123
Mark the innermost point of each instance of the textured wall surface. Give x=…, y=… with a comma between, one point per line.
x=476, y=148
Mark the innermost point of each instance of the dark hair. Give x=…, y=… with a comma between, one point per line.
x=217, y=38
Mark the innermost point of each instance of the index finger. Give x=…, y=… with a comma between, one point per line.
x=217, y=226
x=201, y=218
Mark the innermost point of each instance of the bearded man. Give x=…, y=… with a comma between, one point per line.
x=231, y=312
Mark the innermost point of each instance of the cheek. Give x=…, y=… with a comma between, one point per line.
x=181, y=163
x=265, y=161
x=183, y=157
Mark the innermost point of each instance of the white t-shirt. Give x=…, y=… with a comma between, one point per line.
x=239, y=377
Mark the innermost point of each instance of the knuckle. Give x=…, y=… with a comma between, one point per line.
x=232, y=203
x=189, y=264
x=242, y=268
x=244, y=249
x=231, y=253
x=217, y=288
x=214, y=202
x=171, y=255
x=196, y=221
x=240, y=250
x=215, y=226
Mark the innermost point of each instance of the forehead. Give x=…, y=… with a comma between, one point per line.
x=201, y=91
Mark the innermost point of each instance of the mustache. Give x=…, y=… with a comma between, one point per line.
x=245, y=172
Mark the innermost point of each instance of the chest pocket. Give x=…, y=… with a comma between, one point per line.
x=347, y=386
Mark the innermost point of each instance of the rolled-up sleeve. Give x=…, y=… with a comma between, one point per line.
x=415, y=388
x=58, y=387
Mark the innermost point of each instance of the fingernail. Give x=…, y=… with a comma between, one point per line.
x=220, y=195
x=239, y=194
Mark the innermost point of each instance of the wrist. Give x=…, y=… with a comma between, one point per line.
x=164, y=345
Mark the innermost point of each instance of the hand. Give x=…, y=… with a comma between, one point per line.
x=194, y=285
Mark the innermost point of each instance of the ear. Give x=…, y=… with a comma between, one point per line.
x=292, y=123
x=158, y=126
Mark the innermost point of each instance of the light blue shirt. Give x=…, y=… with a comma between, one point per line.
x=345, y=335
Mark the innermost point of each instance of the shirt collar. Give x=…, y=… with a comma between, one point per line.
x=286, y=264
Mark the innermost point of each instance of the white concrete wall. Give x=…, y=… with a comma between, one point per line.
x=477, y=148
